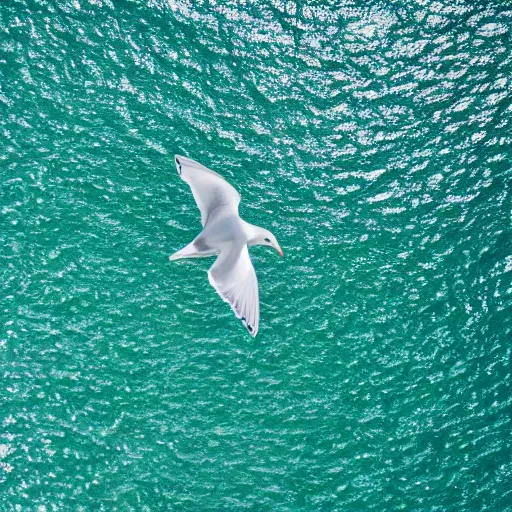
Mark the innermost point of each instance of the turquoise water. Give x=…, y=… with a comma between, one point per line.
x=373, y=139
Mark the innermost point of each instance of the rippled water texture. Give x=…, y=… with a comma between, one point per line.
x=374, y=139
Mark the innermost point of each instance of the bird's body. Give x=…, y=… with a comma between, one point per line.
x=226, y=236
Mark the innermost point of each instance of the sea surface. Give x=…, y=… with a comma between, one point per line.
x=374, y=139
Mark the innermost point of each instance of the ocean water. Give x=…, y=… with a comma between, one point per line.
x=373, y=139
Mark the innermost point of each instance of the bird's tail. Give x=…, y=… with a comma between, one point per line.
x=187, y=252
x=191, y=251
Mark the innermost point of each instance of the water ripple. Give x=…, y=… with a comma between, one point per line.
x=374, y=141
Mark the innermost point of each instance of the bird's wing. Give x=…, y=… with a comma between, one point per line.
x=234, y=278
x=211, y=191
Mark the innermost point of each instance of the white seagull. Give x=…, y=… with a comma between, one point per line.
x=226, y=236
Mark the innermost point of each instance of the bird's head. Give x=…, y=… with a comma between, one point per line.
x=265, y=237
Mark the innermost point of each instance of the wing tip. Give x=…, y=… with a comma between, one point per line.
x=251, y=329
x=178, y=163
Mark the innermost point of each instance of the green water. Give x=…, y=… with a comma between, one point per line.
x=373, y=139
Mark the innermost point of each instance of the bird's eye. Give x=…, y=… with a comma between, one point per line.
x=267, y=240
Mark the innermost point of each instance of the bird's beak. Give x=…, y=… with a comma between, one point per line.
x=279, y=250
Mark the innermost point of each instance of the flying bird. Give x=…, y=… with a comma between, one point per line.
x=226, y=236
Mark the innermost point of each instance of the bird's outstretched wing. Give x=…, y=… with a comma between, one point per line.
x=211, y=191
x=234, y=278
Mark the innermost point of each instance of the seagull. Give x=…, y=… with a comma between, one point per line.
x=226, y=236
